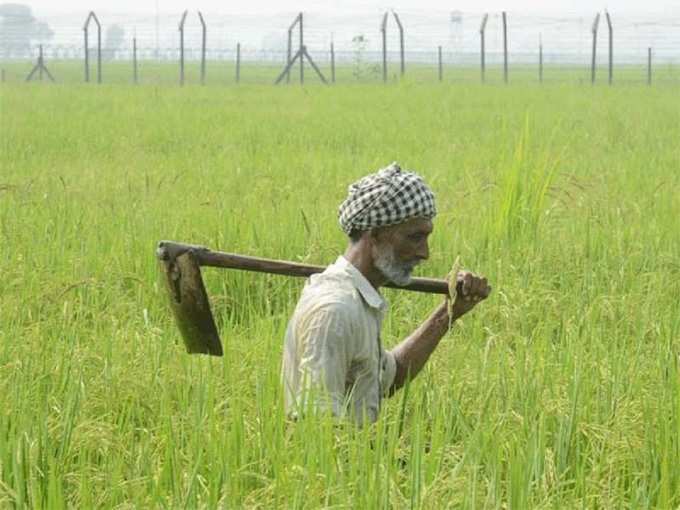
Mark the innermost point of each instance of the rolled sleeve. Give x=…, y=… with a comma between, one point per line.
x=388, y=371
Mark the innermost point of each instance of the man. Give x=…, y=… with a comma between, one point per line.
x=333, y=359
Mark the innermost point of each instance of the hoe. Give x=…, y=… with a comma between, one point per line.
x=181, y=264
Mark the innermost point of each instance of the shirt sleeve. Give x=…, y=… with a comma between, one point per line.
x=326, y=334
x=388, y=371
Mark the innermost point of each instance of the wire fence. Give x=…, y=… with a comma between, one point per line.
x=370, y=46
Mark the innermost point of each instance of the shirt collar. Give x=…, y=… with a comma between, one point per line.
x=368, y=292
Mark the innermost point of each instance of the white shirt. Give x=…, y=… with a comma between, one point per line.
x=333, y=359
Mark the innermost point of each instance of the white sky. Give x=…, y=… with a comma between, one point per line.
x=42, y=7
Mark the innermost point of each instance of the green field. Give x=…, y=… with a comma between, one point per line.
x=561, y=391
x=223, y=72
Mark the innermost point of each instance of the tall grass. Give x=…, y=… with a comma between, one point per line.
x=561, y=391
x=524, y=182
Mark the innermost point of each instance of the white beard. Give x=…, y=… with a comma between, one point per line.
x=398, y=273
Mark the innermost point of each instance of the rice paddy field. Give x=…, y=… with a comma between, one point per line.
x=360, y=71
x=562, y=390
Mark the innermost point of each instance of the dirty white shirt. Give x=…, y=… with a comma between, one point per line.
x=333, y=359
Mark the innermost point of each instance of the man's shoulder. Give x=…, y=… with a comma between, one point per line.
x=331, y=291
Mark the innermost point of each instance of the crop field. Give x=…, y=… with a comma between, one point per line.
x=562, y=390
x=359, y=72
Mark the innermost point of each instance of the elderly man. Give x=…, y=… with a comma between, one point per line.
x=333, y=358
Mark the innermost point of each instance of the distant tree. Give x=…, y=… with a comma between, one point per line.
x=18, y=29
x=359, y=43
x=362, y=69
x=113, y=41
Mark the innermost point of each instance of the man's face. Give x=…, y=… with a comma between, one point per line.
x=398, y=249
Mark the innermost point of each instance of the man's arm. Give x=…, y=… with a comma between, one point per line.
x=412, y=354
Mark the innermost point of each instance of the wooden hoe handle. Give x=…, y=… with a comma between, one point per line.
x=181, y=267
x=169, y=250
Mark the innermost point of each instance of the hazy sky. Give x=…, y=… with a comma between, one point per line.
x=318, y=6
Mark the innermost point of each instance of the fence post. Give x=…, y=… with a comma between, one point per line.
x=301, y=53
x=383, y=29
x=87, y=56
x=86, y=27
x=2, y=76
x=305, y=54
x=332, y=63
x=134, y=60
x=482, y=29
x=593, y=64
x=540, y=59
x=441, y=64
x=401, y=42
x=302, y=60
x=99, y=52
x=611, y=47
x=439, y=59
x=649, y=66
x=40, y=61
x=505, y=48
x=238, y=62
x=181, y=48
x=204, y=31
x=289, y=53
x=39, y=66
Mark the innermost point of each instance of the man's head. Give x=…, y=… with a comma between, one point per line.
x=390, y=213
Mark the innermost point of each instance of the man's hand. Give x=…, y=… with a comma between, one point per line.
x=470, y=290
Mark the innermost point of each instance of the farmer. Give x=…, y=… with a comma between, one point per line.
x=333, y=359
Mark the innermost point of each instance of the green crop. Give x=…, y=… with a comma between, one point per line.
x=560, y=391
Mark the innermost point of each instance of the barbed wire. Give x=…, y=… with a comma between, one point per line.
x=565, y=38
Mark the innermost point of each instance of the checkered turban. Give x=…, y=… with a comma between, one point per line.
x=387, y=197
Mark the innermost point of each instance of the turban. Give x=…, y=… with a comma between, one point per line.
x=387, y=197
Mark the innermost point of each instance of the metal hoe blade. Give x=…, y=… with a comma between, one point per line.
x=189, y=302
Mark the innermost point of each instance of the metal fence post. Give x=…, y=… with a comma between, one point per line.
x=649, y=66
x=383, y=29
x=301, y=54
x=611, y=47
x=302, y=60
x=593, y=64
x=439, y=59
x=305, y=54
x=203, y=46
x=290, y=46
x=39, y=67
x=505, y=48
x=86, y=28
x=482, y=29
x=332, y=63
x=540, y=59
x=99, y=52
x=40, y=60
x=401, y=42
x=181, y=48
x=134, y=61
x=238, y=62
x=87, y=55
